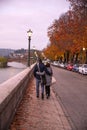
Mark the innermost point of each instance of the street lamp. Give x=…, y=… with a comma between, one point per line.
x=84, y=49
x=29, y=39
x=34, y=54
x=34, y=48
x=85, y=57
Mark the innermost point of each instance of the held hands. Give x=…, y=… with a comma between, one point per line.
x=40, y=73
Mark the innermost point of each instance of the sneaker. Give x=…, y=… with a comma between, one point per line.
x=37, y=96
x=49, y=94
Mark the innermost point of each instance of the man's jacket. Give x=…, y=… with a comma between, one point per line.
x=40, y=68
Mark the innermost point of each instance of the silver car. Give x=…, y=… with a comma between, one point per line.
x=83, y=69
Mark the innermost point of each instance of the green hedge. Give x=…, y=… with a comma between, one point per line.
x=3, y=62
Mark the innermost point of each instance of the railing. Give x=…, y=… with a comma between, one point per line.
x=11, y=93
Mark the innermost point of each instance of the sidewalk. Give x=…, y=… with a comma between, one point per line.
x=37, y=114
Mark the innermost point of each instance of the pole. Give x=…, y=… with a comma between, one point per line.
x=29, y=39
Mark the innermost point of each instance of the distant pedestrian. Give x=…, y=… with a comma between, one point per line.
x=48, y=79
x=39, y=71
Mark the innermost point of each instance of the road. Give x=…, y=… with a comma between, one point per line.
x=71, y=92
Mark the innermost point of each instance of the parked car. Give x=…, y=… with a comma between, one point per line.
x=61, y=65
x=83, y=69
x=69, y=67
x=75, y=68
x=55, y=63
x=65, y=65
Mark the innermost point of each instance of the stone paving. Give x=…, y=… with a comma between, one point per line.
x=37, y=114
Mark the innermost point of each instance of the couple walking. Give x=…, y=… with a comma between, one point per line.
x=41, y=70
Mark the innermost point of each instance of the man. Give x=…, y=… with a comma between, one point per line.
x=39, y=71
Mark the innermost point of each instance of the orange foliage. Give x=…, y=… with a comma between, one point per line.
x=69, y=32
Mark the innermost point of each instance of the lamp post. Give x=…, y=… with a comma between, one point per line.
x=29, y=39
x=85, y=50
x=34, y=54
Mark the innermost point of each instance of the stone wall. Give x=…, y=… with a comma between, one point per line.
x=11, y=93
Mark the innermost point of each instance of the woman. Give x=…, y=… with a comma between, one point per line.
x=48, y=79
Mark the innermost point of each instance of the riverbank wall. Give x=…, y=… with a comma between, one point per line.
x=11, y=94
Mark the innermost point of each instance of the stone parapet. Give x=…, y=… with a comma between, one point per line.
x=11, y=93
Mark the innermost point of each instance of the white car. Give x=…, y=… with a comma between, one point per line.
x=55, y=63
x=61, y=65
x=83, y=69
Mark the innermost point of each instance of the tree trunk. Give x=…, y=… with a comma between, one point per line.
x=86, y=57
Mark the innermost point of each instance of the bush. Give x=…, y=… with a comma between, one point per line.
x=3, y=62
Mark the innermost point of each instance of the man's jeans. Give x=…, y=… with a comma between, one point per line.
x=38, y=83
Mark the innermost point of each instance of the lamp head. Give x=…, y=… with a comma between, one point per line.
x=83, y=48
x=29, y=33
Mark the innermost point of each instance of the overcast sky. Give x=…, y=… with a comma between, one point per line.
x=18, y=16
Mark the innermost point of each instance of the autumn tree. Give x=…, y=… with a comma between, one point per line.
x=79, y=8
x=52, y=52
x=61, y=33
x=69, y=33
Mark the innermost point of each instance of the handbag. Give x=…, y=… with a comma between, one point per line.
x=53, y=80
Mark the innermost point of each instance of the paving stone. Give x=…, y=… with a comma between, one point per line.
x=37, y=114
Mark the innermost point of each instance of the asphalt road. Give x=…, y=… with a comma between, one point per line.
x=71, y=92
